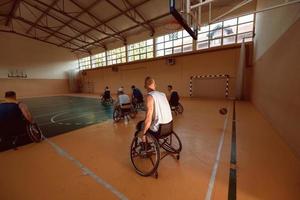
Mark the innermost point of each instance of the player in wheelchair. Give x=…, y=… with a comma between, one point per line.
x=175, y=105
x=154, y=133
x=16, y=124
x=137, y=99
x=123, y=107
x=106, y=97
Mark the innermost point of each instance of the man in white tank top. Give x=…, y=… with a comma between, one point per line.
x=158, y=108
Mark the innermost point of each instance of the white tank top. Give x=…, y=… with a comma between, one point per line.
x=162, y=112
x=124, y=99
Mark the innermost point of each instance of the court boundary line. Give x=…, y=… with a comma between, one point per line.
x=86, y=171
x=217, y=161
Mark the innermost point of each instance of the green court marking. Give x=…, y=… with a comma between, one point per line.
x=60, y=114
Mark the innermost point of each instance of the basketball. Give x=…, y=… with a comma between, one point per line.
x=223, y=111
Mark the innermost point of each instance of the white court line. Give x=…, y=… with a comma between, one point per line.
x=217, y=161
x=86, y=170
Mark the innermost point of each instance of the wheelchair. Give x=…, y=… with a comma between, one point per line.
x=108, y=101
x=177, y=109
x=145, y=156
x=121, y=113
x=138, y=105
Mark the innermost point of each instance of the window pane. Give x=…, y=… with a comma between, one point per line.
x=177, y=50
x=159, y=39
x=246, y=18
x=187, y=48
x=178, y=42
x=168, y=44
x=229, y=40
x=202, y=45
x=160, y=46
x=160, y=53
x=214, y=43
x=187, y=40
x=150, y=42
x=229, y=31
x=202, y=36
x=203, y=29
x=230, y=22
x=244, y=35
x=215, y=26
x=245, y=27
x=168, y=51
x=150, y=55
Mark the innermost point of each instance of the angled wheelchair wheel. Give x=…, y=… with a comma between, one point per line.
x=179, y=109
x=171, y=143
x=145, y=157
x=34, y=132
x=133, y=112
x=117, y=115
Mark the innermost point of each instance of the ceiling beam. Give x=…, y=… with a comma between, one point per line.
x=133, y=27
x=43, y=15
x=76, y=17
x=46, y=30
x=100, y=21
x=126, y=14
x=61, y=21
x=141, y=16
x=38, y=39
x=108, y=20
x=15, y=5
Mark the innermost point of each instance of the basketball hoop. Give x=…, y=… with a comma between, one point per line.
x=172, y=26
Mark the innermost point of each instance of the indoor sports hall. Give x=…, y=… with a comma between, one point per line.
x=149, y=99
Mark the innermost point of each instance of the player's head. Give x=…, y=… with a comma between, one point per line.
x=149, y=83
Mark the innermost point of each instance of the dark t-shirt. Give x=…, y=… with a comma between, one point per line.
x=137, y=94
x=174, y=99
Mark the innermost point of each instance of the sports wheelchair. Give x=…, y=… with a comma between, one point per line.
x=138, y=104
x=177, y=109
x=145, y=156
x=121, y=113
x=109, y=100
x=15, y=129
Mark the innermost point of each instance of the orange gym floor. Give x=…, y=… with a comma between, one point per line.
x=93, y=162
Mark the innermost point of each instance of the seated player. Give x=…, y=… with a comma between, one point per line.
x=14, y=116
x=173, y=97
x=137, y=96
x=106, y=95
x=123, y=101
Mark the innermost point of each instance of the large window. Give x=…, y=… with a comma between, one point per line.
x=99, y=60
x=227, y=32
x=84, y=63
x=116, y=56
x=140, y=50
x=172, y=43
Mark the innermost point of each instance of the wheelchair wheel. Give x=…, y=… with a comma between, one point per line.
x=117, y=115
x=179, y=109
x=34, y=132
x=171, y=143
x=145, y=157
x=133, y=112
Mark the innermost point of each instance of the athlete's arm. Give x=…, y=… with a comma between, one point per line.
x=149, y=113
x=25, y=112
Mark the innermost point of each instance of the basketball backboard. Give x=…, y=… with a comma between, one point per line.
x=185, y=16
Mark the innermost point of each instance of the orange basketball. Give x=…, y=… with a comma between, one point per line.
x=223, y=111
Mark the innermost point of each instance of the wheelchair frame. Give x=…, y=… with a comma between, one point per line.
x=142, y=150
x=118, y=114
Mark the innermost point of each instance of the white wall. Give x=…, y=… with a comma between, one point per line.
x=270, y=25
x=39, y=60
